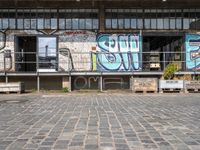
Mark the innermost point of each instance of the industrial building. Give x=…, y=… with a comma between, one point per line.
x=96, y=44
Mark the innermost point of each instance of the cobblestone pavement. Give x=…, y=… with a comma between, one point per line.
x=100, y=121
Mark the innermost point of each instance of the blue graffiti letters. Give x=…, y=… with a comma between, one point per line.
x=192, y=51
x=118, y=52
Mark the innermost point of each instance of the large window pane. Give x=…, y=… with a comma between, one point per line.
x=108, y=23
x=147, y=19
x=27, y=23
x=153, y=16
x=82, y=23
x=95, y=23
x=198, y=19
x=140, y=23
x=133, y=23
x=193, y=19
x=75, y=23
x=47, y=23
x=114, y=23
x=68, y=23
x=61, y=23
x=178, y=19
x=20, y=24
x=40, y=23
x=54, y=23
x=172, y=23
x=1, y=27
x=172, y=19
x=160, y=24
x=127, y=23
x=33, y=23
x=120, y=23
x=166, y=15
x=88, y=23
x=5, y=23
x=147, y=23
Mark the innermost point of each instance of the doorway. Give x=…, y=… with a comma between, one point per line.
x=159, y=51
x=25, y=56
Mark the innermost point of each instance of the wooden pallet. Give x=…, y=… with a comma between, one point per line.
x=170, y=90
x=192, y=90
x=140, y=91
x=10, y=92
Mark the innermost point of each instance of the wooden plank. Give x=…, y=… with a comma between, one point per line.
x=144, y=84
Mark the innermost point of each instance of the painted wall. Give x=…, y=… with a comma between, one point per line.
x=118, y=52
x=192, y=46
x=86, y=50
x=79, y=43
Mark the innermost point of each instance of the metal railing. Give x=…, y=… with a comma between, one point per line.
x=66, y=61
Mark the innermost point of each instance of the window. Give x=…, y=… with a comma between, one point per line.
x=147, y=19
x=197, y=19
x=186, y=19
x=178, y=19
x=47, y=49
x=49, y=19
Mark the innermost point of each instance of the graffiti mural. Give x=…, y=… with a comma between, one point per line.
x=193, y=51
x=82, y=82
x=79, y=44
x=118, y=52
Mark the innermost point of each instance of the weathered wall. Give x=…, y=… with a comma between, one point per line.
x=92, y=82
x=79, y=43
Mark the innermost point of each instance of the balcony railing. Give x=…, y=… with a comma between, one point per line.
x=65, y=61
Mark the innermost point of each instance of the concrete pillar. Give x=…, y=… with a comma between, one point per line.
x=101, y=84
x=66, y=82
x=6, y=79
x=131, y=83
x=38, y=83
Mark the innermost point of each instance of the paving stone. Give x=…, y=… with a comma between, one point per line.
x=102, y=121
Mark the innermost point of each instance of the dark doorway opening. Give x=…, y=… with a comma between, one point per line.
x=159, y=51
x=25, y=56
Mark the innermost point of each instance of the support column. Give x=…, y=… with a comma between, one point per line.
x=66, y=82
x=38, y=83
x=131, y=83
x=70, y=83
x=101, y=83
x=6, y=78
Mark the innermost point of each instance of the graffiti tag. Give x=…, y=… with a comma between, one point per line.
x=118, y=52
x=192, y=51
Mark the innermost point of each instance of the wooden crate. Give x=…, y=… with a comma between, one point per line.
x=16, y=87
x=144, y=85
x=192, y=86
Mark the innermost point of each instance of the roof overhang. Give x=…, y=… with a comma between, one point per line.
x=106, y=3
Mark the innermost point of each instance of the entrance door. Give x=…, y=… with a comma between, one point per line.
x=25, y=57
